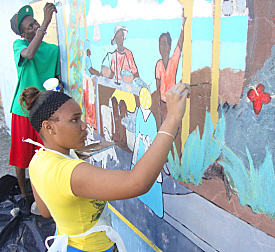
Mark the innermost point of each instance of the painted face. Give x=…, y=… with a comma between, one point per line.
x=70, y=130
x=29, y=26
x=119, y=38
x=164, y=47
x=88, y=52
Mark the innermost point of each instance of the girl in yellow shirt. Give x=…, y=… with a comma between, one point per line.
x=75, y=192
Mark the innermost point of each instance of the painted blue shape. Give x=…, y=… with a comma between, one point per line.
x=87, y=6
x=131, y=239
x=145, y=29
x=153, y=198
x=234, y=29
x=113, y=3
x=255, y=186
x=219, y=133
x=232, y=55
x=201, y=55
x=202, y=28
x=160, y=1
x=137, y=29
x=198, y=153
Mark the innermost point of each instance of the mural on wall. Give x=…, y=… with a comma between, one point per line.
x=124, y=55
x=123, y=68
x=89, y=87
x=145, y=133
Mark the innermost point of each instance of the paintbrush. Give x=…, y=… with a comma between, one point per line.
x=198, y=84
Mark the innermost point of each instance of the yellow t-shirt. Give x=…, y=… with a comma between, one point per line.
x=50, y=173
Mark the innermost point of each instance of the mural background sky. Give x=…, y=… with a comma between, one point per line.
x=147, y=20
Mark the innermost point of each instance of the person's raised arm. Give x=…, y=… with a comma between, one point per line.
x=31, y=50
x=95, y=72
x=96, y=183
x=181, y=38
x=158, y=91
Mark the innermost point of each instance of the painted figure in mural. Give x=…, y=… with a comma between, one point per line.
x=146, y=131
x=75, y=192
x=36, y=61
x=89, y=87
x=122, y=57
x=122, y=67
x=166, y=69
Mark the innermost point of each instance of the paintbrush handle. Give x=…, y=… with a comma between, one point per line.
x=198, y=84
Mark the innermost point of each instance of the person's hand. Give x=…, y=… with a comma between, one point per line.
x=49, y=9
x=176, y=99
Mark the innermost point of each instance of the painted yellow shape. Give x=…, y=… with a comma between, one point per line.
x=145, y=98
x=80, y=92
x=215, y=62
x=186, y=64
x=67, y=46
x=79, y=66
x=85, y=21
x=129, y=99
x=129, y=224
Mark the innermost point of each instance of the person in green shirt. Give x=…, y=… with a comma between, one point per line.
x=36, y=61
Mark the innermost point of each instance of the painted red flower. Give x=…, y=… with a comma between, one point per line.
x=258, y=97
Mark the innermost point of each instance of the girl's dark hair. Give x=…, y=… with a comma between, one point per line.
x=41, y=105
x=32, y=98
x=167, y=35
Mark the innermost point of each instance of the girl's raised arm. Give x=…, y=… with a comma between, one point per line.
x=96, y=183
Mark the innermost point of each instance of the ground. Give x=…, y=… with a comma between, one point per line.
x=5, y=168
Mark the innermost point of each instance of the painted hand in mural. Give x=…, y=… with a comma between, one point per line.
x=258, y=97
x=181, y=38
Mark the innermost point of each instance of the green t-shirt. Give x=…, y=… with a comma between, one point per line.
x=44, y=65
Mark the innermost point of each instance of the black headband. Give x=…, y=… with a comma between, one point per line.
x=47, y=109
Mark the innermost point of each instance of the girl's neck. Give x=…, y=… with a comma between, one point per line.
x=57, y=148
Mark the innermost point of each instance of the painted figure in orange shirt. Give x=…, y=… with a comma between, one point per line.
x=166, y=68
x=165, y=73
x=122, y=60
